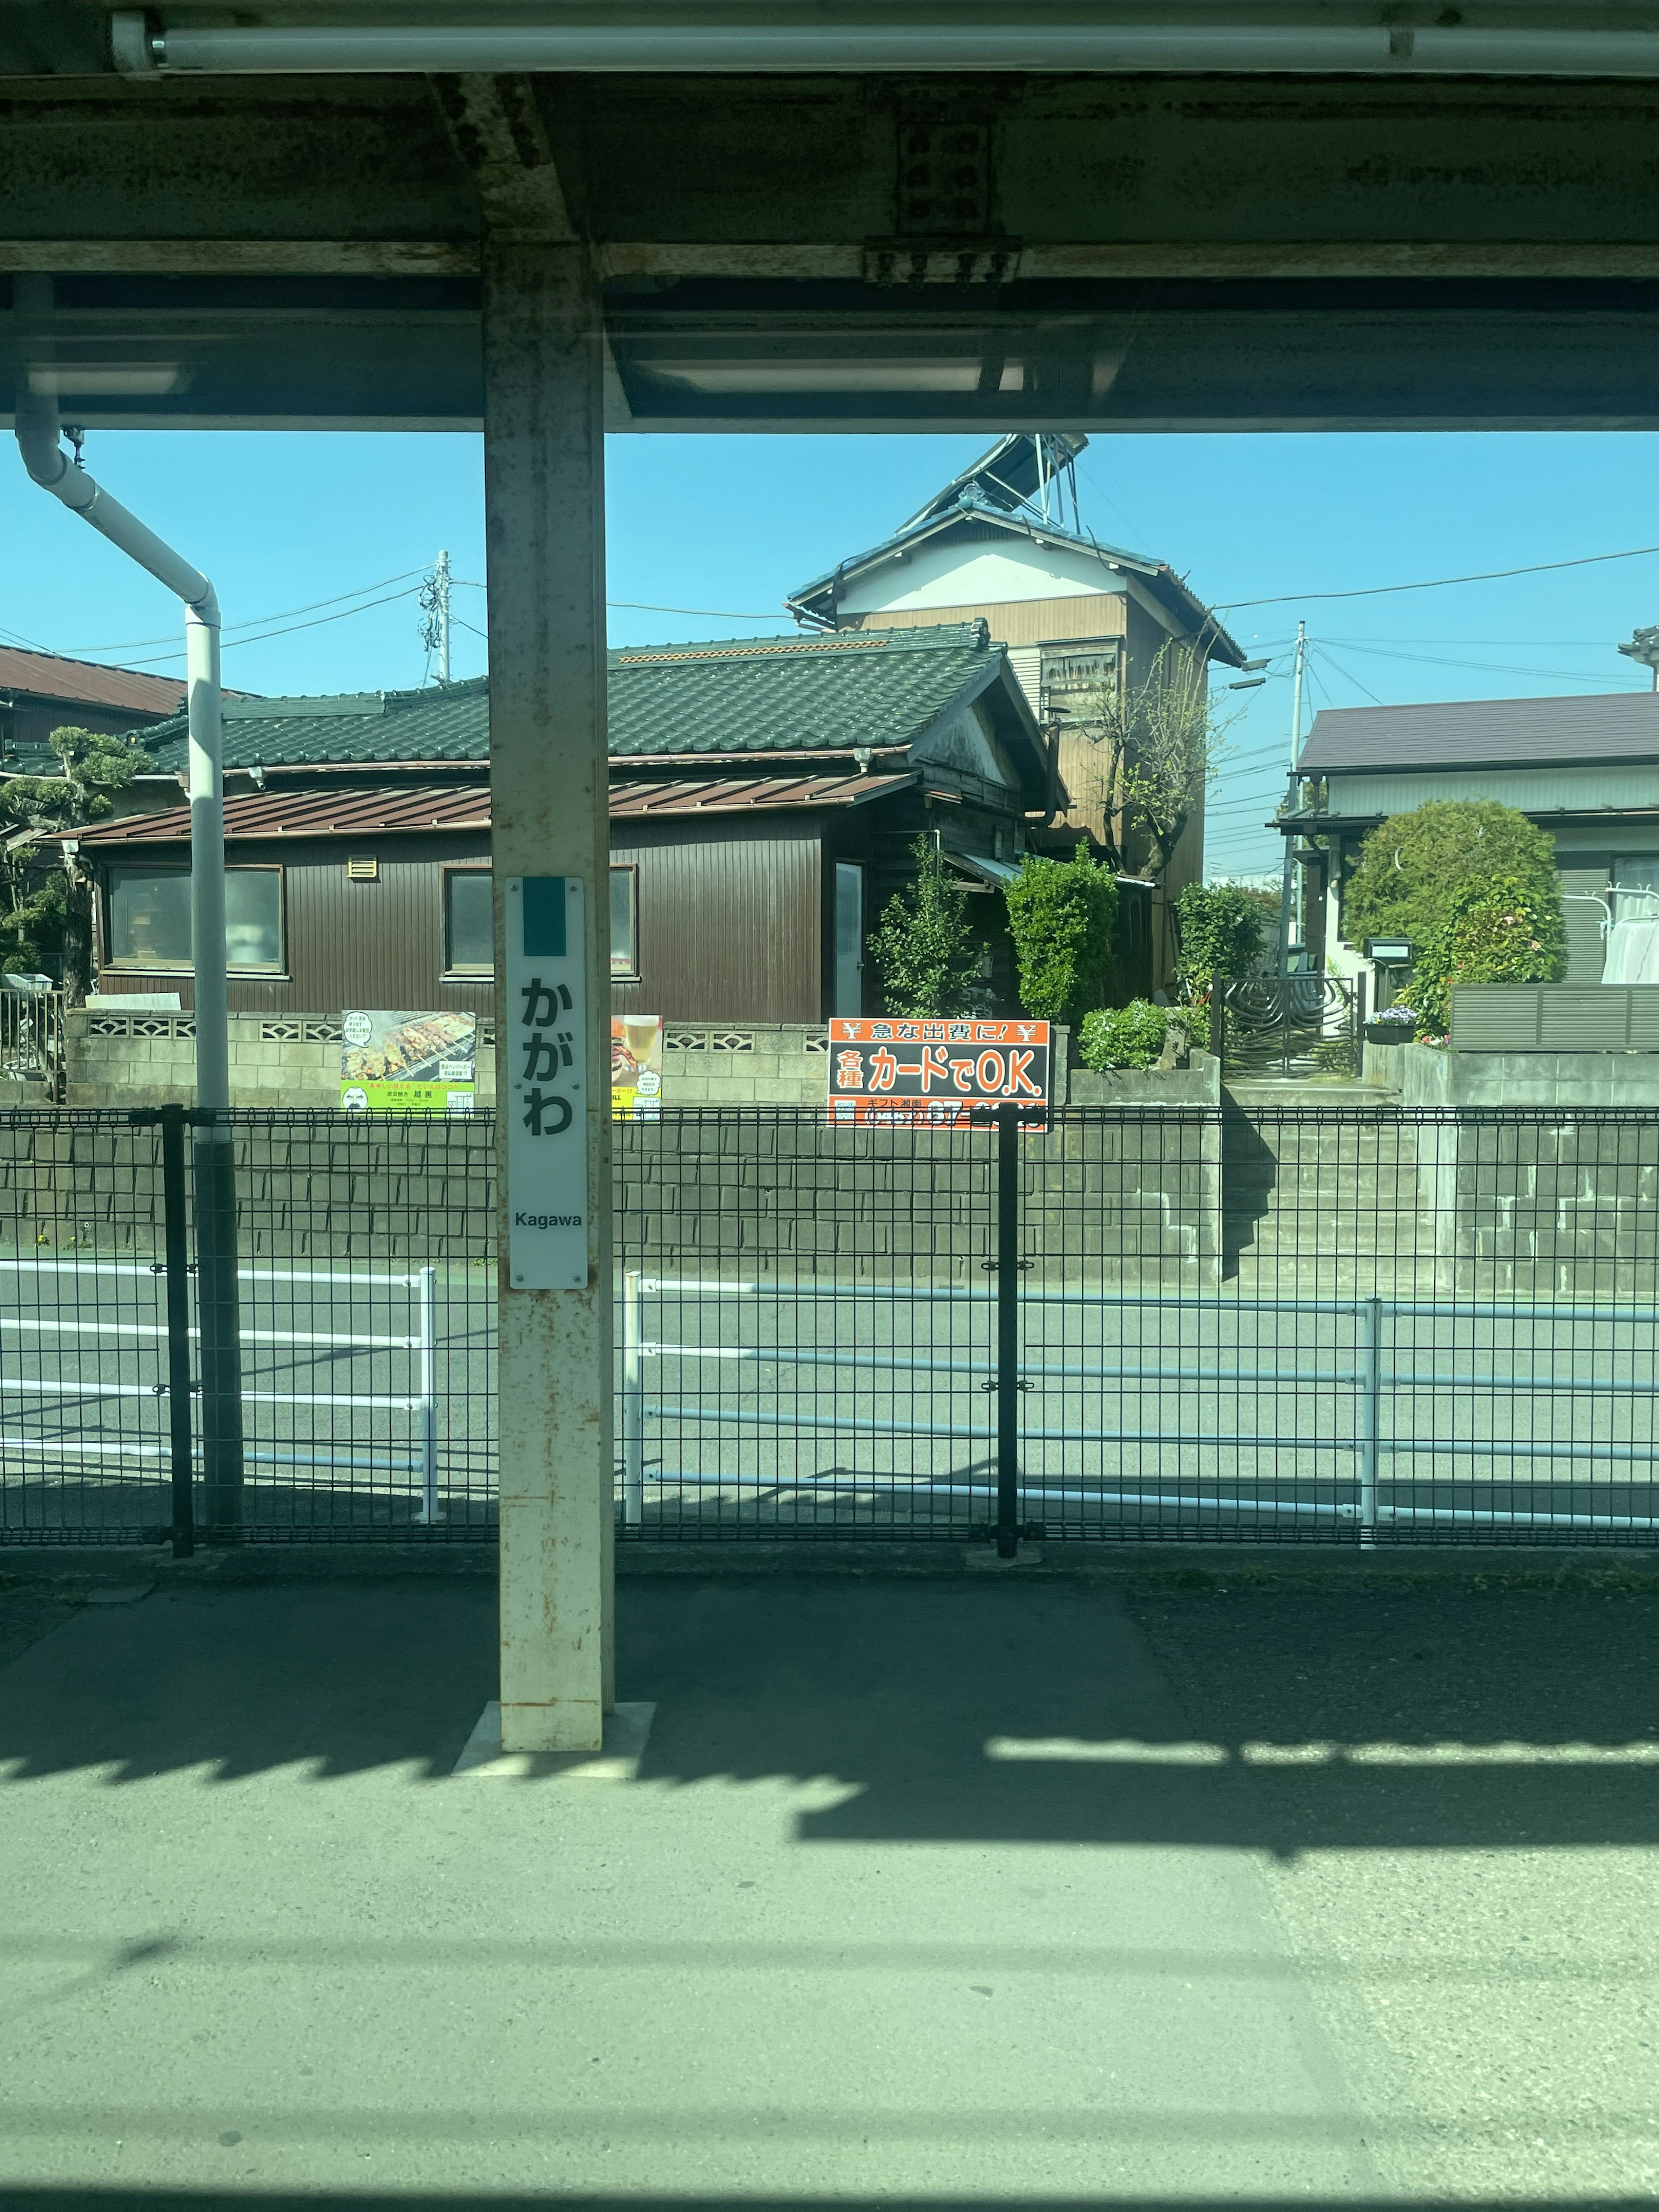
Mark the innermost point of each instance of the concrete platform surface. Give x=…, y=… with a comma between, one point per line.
x=991, y=1892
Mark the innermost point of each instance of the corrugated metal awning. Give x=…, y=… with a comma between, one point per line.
x=996, y=874
x=269, y=814
x=273, y=814
x=747, y=794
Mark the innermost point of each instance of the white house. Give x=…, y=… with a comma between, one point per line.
x=1004, y=543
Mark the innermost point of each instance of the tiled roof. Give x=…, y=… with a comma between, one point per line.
x=270, y=814
x=1620, y=726
x=811, y=694
x=795, y=694
x=446, y=724
x=53, y=675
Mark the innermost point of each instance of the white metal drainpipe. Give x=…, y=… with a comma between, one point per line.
x=35, y=418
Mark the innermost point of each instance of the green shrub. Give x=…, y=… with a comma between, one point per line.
x=1219, y=926
x=1122, y=1036
x=1061, y=914
x=924, y=946
x=1412, y=867
x=1132, y=1035
x=1500, y=932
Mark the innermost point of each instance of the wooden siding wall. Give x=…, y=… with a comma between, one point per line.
x=1014, y=622
x=731, y=922
x=348, y=944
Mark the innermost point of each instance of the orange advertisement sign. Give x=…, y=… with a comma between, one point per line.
x=931, y=1074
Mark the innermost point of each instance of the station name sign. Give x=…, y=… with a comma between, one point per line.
x=931, y=1074
x=541, y=1083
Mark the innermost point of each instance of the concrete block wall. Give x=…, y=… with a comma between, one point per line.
x=368, y=1192
x=785, y=1197
x=745, y=1064
x=1566, y=1208
x=291, y=1062
x=122, y=1060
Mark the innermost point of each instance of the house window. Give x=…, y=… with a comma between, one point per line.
x=469, y=922
x=1635, y=887
x=149, y=918
x=624, y=922
x=470, y=928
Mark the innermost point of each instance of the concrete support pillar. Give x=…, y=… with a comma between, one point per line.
x=544, y=504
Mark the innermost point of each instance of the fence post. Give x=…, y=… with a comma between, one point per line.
x=1371, y=1318
x=632, y=1404
x=218, y=1314
x=176, y=1251
x=430, y=1511
x=1007, y=1332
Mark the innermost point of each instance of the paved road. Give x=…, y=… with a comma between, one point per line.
x=979, y=1891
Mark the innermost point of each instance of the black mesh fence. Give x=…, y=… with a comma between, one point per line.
x=1331, y=1325
x=364, y=1300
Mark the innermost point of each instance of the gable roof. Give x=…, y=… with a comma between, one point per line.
x=974, y=506
x=818, y=693
x=55, y=676
x=1621, y=726
x=780, y=695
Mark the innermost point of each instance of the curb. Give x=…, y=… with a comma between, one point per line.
x=75, y=1569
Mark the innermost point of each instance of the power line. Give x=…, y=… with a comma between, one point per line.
x=1328, y=656
x=1494, y=667
x=287, y=631
x=650, y=607
x=1436, y=583
x=131, y=644
x=718, y=614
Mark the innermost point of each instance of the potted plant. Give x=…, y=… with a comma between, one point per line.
x=1394, y=1025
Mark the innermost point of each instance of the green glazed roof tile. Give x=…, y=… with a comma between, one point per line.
x=782, y=694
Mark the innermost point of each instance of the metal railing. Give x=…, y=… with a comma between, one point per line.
x=1355, y=1468
x=1351, y=1325
x=32, y=1041
x=103, y=1360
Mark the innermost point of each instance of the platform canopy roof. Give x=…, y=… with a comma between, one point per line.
x=994, y=215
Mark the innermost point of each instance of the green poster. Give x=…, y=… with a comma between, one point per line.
x=404, y=1063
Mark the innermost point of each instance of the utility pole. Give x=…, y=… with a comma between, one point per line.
x=1287, y=891
x=434, y=608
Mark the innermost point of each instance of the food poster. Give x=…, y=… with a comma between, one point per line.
x=403, y=1063
x=635, y=1067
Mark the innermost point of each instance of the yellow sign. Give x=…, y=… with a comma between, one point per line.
x=635, y=1067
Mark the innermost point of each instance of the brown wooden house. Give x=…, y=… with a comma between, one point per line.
x=766, y=798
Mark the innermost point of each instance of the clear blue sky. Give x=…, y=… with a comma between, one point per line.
x=284, y=521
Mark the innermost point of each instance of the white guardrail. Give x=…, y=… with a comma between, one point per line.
x=1370, y=1380
x=58, y=1322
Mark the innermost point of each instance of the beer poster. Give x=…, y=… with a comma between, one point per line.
x=636, y=1056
